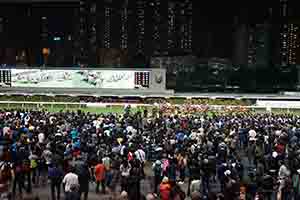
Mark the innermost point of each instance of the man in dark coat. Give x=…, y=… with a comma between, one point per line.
x=55, y=175
x=84, y=176
x=134, y=181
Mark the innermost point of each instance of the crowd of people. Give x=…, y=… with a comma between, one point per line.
x=199, y=157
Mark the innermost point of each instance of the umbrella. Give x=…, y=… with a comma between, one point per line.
x=180, y=136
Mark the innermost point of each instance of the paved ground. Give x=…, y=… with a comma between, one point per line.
x=146, y=187
x=44, y=192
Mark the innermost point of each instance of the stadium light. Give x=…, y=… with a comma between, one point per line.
x=57, y=38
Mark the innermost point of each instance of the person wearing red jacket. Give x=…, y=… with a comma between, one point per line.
x=100, y=176
x=165, y=189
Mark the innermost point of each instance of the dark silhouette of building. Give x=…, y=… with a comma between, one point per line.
x=77, y=32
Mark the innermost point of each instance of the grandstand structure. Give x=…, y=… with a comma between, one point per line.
x=30, y=87
x=84, y=81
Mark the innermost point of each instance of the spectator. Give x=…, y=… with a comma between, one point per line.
x=73, y=194
x=165, y=189
x=125, y=169
x=100, y=176
x=158, y=172
x=70, y=183
x=55, y=175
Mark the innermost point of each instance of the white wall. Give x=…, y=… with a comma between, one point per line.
x=278, y=104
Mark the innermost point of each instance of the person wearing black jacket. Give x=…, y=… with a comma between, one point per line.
x=55, y=175
x=194, y=169
x=84, y=179
x=134, y=181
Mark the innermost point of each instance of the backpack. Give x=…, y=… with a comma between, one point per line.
x=26, y=166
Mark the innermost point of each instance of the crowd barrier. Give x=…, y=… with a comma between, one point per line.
x=66, y=105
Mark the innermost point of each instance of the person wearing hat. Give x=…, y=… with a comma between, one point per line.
x=165, y=189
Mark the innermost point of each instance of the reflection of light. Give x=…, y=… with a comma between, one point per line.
x=57, y=38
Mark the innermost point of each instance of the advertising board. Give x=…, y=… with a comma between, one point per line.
x=48, y=78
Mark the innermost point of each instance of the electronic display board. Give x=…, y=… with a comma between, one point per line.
x=85, y=78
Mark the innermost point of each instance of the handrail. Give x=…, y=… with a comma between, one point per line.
x=141, y=104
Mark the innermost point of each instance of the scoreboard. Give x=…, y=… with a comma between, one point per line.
x=5, y=77
x=142, y=79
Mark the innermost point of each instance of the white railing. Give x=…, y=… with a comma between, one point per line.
x=80, y=104
x=135, y=105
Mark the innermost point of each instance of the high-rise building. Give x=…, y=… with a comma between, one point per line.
x=284, y=34
x=157, y=24
x=82, y=28
x=44, y=31
x=259, y=50
x=292, y=43
x=288, y=35
x=81, y=42
x=92, y=31
x=156, y=29
x=180, y=27
x=107, y=24
x=124, y=25
x=189, y=38
x=186, y=14
x=240, y=49
x=252, y=47
x=176, y=27
x=140, y=25
x=2, y=26
x=171, y=25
